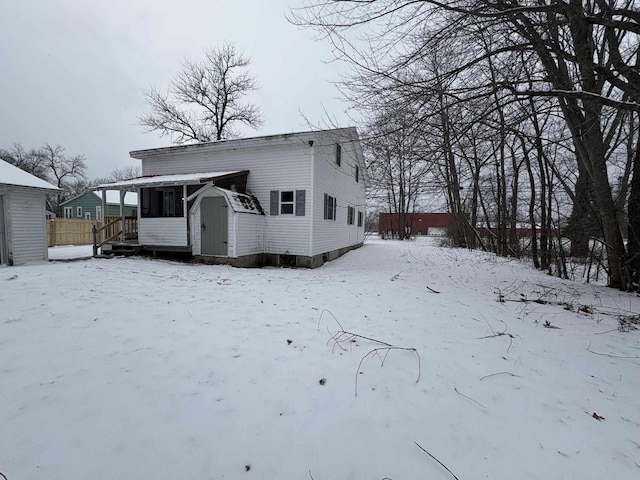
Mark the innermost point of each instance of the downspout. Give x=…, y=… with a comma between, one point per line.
x=311, y=195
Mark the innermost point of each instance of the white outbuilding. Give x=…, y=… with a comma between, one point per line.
x=23, y=227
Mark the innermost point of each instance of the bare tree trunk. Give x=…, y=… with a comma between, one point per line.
x=634, y=220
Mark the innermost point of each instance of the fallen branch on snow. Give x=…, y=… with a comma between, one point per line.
x=610, y=355
x=495, y=334
x=468, y=398
x=386, y=350
x=499, y=373
x=343, y=336
x=443, y=465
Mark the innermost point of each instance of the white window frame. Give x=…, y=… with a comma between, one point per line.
x=330, y=203
x=350, y=215
x=87, y=215
x=68, y=212
x=289, y=204
x=79, y=211
x=98, y=212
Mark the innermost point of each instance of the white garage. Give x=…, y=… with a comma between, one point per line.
x=23, y=227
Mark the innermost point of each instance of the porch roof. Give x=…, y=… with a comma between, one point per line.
x=179, y=179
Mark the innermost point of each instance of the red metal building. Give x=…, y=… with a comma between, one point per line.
x=418, y=223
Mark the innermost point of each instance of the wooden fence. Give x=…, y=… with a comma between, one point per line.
x=71, y=231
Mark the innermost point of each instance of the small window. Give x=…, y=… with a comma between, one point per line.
x=99, y=212
x=286, y=203
x=338, y=154
x=350, y=215
x=360, y=218
x=79, y=212
x=357, y=174
x=68, y=212
x=87, y=215
x=329, y=207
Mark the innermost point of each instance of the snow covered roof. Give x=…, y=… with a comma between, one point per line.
x=347, y=132
x=12, y=175
x=179, y=179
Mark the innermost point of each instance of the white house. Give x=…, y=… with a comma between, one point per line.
x=294, y=199
x=23, y=228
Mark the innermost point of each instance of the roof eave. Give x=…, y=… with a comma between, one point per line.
x=169, y=182
x=233, y=143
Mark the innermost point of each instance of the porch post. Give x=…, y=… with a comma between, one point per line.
x=122, y=226
x=186, y=214
x=104, y=214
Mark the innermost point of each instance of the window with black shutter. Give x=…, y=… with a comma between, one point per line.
x=287, y=202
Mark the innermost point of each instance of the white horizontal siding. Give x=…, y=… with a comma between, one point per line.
x=194, y=226
x=26, y=225
x=339, y=182
x=278, y=166
x=167, y=231
x=250, y=231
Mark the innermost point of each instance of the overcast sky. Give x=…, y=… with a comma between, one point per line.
x=72, y=71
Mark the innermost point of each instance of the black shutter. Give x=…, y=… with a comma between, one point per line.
x=300, y=202
x=326, y=206
x=275, y=202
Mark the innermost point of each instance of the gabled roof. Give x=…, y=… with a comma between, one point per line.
x=166, y=180
x=242, y=203
x=12, y=175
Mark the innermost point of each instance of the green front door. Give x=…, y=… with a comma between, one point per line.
x=213, y=226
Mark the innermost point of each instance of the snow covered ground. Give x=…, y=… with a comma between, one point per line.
x=139, y=368
x=70, y=252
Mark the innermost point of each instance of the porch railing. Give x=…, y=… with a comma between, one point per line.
x=112, y=230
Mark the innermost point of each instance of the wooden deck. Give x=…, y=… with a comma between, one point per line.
x=132, y=247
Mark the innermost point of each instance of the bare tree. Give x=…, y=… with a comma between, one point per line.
x=396, y=151
x=30, y=161
x=66, y=172
x=204, y=101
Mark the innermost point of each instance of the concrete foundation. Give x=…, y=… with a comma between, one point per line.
x=271, y=259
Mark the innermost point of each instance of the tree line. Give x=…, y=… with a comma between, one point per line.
x=519, y=112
